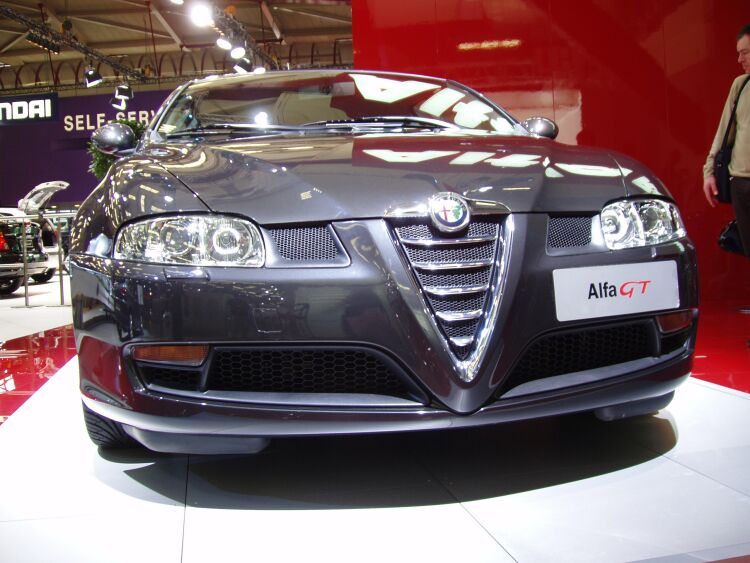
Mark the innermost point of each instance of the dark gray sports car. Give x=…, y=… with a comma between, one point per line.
x=337, y=252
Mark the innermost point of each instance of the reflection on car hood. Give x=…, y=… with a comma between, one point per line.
x=321, y=177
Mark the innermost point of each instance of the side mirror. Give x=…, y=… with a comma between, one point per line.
x=541, y=126
x=114, y=138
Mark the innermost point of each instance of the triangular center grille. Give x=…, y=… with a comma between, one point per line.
x=456, y=273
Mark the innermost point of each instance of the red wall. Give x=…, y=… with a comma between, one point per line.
x=644, y=77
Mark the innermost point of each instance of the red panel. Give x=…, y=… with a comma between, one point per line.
x=645, y=78
x=27, y=363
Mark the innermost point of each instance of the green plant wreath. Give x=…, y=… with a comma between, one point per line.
x=100, y=162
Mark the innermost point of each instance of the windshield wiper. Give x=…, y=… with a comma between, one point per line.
x=224, y=128
x=383, y=121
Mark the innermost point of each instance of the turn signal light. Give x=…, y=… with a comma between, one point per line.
x=673, y=322
x=184, y=355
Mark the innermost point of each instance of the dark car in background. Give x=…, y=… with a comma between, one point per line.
x=14, y=233
x=342, y=252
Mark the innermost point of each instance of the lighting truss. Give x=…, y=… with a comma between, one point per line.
x=45, y=31
x=231, y=27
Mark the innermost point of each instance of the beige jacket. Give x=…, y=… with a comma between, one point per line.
x=740, y=163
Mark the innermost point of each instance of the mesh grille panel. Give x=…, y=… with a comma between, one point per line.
x=457, y=303
x=480, y=276
x=303, y=371
x=569, y=352
x=674, y=342
x=305, y=243
x=425, y=231
x=454, y=330
x=463, y=253
x=185, y=379
x=566, y=232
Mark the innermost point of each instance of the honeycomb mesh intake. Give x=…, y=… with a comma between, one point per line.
x=568, y=232
x=184, y=379
x=302, y=371
x=305, y=243
x=592, y=348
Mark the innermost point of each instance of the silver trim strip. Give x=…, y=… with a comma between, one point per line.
x=465, y=290
x=436, y=266
x=454, y=316
x=293, y=399
x=462, y=340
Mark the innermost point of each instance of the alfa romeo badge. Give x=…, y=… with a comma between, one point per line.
x=449, y=212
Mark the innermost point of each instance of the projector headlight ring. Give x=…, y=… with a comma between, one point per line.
x=192, y=240
x=642, y=222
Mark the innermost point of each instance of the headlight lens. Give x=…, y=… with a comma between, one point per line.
x=196, y=240
x=627, y=224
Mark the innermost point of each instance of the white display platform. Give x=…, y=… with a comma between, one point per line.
x=673, y=488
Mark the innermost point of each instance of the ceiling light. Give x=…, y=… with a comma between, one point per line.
x=259, y=70
x=178, y=2
x=91, y=77
x=242, y=66
x=200, y=15
x=43, y=42
x=124, y=92
x=237, y=52
x=223, y=42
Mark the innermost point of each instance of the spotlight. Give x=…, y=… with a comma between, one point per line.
x=243, y=66
x=259, y=70
x=178, y=2
x=118, y=103
x=237, y=52
x=223, y=42
x=124, y=92
x=200, y=14
x=43, y=42
x=91, y=77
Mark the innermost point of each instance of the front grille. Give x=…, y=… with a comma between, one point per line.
x=572, y=351
x=471, y=253
x=182, y=378
x=303, y=371
x=455, y=272
x=567, y=232
x=672, y=342
x=286, y=370
x=305, y=243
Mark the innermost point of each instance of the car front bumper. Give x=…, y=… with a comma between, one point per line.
x=373, y=306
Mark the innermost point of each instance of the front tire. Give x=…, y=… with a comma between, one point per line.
x=45, y=277
x=9, y=285
x=106, y=433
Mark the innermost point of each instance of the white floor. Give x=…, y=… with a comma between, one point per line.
x=44, y=310
x=672, y=488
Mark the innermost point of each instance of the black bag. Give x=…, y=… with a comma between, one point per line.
x=724, y=155
x=729, y=239
x=721, y=172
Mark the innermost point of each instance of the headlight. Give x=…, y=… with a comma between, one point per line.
x=627, y=224
x=196, y=240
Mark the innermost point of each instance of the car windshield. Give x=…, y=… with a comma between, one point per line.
x=330, y=100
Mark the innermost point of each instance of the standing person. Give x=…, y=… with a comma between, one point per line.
x=739, y=166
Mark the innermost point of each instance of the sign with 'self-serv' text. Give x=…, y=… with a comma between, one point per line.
x=19, y=110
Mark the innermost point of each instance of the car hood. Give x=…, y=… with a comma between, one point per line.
x=322, y=177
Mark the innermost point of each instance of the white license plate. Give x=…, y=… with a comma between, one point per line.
x=604, y=291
